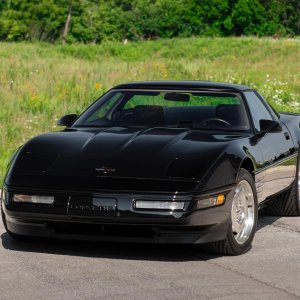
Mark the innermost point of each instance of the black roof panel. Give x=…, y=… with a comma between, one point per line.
x=177, y=84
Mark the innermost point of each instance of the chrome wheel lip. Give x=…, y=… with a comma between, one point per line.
x=243, y=212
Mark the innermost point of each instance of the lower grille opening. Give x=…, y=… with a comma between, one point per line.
x=104, y=230
x=122, y=230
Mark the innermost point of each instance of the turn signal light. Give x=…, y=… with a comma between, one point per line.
x=220, y=199
x=211, y=201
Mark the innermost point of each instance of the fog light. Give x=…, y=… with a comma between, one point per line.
x=212, y=201
x=159, y=205
x=33, y=199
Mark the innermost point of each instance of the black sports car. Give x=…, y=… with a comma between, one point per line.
x=165, y=161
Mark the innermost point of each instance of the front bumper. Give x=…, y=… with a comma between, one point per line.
x=191, y=226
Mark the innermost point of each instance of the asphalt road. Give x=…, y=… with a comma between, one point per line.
x=71, y=270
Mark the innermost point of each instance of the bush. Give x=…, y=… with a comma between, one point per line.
x=99, y=20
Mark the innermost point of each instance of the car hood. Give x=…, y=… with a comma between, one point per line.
x=76, y=156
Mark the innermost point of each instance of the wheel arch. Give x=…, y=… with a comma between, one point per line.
x=248, y=165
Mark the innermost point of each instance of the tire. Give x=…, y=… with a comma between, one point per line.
x=12, y=235
x=238, y=243
x=288, y=203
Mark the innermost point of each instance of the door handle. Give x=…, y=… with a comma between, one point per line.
x=287, y=136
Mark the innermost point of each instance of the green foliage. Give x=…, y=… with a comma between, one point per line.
x=247, y=16
x=31, y=20
x=99, y=20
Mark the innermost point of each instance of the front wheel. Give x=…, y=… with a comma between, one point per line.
x=243, y=219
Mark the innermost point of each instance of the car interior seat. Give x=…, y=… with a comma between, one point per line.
x=234, y=114
x=149, y=115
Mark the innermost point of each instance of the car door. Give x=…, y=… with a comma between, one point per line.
x=278, y=169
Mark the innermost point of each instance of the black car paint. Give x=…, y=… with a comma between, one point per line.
x=154, y=163
x=66, y=159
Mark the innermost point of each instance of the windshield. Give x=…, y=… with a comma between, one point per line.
x=172, y=109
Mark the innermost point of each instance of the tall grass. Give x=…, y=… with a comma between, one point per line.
x=41, y=82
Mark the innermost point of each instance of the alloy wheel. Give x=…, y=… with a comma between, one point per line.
x=242, y=212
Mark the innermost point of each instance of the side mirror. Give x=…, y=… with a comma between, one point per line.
x=269, y=126
x=67, y=120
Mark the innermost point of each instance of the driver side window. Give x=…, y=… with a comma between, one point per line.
x=257, y=109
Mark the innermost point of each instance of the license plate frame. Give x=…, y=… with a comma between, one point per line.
x=94, y=207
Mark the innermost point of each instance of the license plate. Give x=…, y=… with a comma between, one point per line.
x=103, y=208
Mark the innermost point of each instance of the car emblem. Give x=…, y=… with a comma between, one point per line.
x=105, y=170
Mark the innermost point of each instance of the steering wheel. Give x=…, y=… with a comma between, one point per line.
x=214, y=120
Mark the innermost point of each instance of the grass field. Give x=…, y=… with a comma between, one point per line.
x=41, y=82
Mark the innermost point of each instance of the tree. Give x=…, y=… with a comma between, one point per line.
x=97, y=20
x=248, y=17
x=68, y=20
